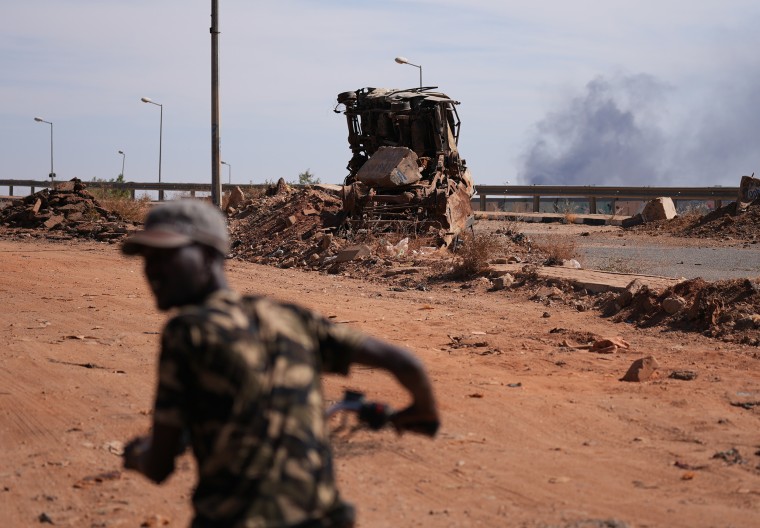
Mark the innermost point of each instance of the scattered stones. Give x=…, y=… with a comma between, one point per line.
x=684, y=375
x=571, y=263
x=503, y=281
x=730, y=456
x=642, y=369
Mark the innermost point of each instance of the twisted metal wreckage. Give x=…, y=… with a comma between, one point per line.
x=405, y=166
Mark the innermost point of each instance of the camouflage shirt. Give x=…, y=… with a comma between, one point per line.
x=241, y=376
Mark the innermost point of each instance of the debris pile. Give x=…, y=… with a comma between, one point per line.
x=293, y=228
x=65, y=212
x=728, y=310
x=303, y=228
x=739, y=220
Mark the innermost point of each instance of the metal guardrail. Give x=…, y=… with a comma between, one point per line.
x=132, y=187
x=536, y=192
x=592, y=193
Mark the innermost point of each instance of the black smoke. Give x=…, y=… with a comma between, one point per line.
x=607, y=136
x=636, y=130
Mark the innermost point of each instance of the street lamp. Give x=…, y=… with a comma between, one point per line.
x=160, y=139
x=52, y=172
x=403, y=60
x=123, y=158
x=229, y=171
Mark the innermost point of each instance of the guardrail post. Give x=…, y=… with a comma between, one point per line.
x=592, y=205
x=32, y=190
x=192, y=194
x=161, y=195
x=536, y=204
x=718, y=203
x=132, y=193
x=10, y=190
x=482, y=202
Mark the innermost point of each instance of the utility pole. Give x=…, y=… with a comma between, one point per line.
x=216, y=182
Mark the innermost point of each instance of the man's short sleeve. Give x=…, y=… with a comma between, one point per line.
x=170, y=394
x=336, y=344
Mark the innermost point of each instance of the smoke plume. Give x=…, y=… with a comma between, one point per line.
x=636, y=130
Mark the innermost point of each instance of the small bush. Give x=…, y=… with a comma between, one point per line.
x=126, y=208
x=555, y=249
x=474, y=253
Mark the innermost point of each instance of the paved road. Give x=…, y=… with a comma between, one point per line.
x=611, y=248
x=710, y=263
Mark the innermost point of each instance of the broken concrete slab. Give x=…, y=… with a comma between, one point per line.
x=593, y=280
x=749, y=191
x=54, y=221
x=237, y=197
x=661, y=208
x=352, y=253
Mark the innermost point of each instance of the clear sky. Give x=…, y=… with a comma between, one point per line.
x=585, y=92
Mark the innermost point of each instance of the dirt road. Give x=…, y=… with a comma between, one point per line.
x=534, y=433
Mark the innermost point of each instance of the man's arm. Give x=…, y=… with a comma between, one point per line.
x=410, y=373
x=153, y=456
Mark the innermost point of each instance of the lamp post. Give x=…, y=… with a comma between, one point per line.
x=123, y=159
x=160, y=140
x=229, y=171
x=404, y=60
x=52, y=172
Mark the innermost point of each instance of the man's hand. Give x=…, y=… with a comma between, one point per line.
x=417, y=419
x=134, y=451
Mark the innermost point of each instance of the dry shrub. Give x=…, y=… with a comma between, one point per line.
x=127, y=208
x=555, y=249
x=475, y=251
x=570, y=217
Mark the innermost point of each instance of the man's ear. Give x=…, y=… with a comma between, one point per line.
x=212, y=255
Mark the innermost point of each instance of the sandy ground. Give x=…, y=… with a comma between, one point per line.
x=534, y=434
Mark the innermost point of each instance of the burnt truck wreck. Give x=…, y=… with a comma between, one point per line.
x=405, y=165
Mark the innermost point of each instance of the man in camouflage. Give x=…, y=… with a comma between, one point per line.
x=239, y=381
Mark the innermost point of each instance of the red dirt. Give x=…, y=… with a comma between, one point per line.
x=535, y=433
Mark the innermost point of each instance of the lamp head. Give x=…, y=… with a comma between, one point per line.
x=121, y=152
x=39, y=119
x=402, y=60
x=146, y=99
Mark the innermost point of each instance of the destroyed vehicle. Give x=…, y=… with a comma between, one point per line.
x=405, y=166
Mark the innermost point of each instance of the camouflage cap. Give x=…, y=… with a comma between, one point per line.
x=181, y=223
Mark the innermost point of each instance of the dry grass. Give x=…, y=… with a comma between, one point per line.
x=474, y=253
x=555, y=249
x=126, y=208
x=570, y=217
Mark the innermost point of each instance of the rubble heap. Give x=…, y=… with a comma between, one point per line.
x=723, y=223
x=65, y=212
x=286, y=227
x=728, y=310
x=302, y=228
x=737, y=220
